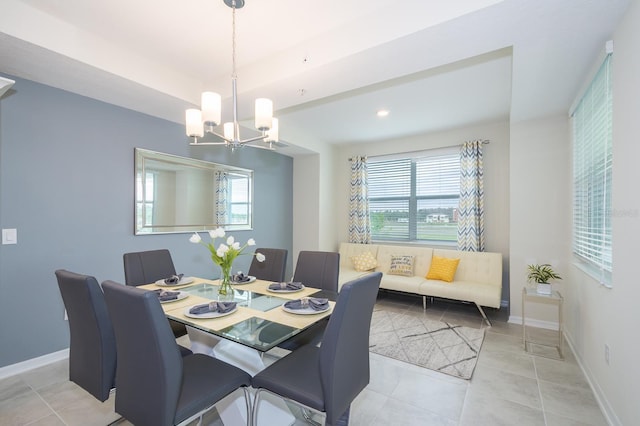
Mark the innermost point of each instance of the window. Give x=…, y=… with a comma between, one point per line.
x=239, y=201
x=592, y=165
x=145, y=196
x=415, y=199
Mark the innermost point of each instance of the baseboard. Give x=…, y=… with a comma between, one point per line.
x=30, y=364
x=549, y=325
x=607, y=411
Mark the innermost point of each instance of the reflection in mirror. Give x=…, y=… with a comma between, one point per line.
x=178, y=194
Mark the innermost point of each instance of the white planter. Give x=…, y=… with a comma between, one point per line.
x=543, y=288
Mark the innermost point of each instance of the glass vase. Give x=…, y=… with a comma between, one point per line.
x=224, y=284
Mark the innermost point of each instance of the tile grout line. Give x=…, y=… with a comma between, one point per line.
x=50, y=408
x=535, y=370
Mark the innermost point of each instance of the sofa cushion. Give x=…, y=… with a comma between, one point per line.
x=400, y=283
x=364, y=261
x=401, y=265
x=348, y=274
x=443, y=268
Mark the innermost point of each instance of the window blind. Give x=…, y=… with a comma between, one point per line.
x=592, y=167
x=414, y=198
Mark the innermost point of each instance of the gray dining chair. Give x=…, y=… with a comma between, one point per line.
x=156, y=386
x=274, y=266
x=146, y=267
x=329, y=377
x=92, y=346
x=319, y=269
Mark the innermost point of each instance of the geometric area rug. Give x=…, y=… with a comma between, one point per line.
x=431, y=344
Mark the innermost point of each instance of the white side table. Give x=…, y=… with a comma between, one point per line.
x=555, y=298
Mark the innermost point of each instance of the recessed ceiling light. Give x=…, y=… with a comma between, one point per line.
x=382, y=112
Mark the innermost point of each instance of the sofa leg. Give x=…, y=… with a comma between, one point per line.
x=424, y=303
x=483, y=315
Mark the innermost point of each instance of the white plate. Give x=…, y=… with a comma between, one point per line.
x=181, y=295
x=284, y=290
x=183, y=281
x=305, y=311
x=208, y=314
x=251, y=279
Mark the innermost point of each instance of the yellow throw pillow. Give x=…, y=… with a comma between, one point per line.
x=443, y=268
x=401, y=265
x=364, y=262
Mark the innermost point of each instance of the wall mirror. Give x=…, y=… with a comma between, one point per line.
x=178, y=194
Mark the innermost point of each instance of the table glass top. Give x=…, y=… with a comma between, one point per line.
x=260, y=333
x=259, y=323
x=249, y=299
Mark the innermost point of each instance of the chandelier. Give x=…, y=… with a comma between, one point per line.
x=206, y=119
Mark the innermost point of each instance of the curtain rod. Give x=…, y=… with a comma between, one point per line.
x=483, y=141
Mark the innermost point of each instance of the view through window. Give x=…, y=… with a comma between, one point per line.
x=239, y=202
x=415, y=198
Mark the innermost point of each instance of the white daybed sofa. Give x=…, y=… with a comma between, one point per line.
x=478, y=277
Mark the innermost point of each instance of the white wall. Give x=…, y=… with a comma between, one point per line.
x=540, y=206
x=595, y=315
x=496, y=178
x=313, y=209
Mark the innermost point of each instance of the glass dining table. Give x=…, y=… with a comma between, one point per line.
x=260, y=322
x=241, y=337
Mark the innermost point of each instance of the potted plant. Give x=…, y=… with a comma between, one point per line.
x=542, y=274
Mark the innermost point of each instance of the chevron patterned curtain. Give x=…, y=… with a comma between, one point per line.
x=359, y=222
x=471, y=202
x=222, y=187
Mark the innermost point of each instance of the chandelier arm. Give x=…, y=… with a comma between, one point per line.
x=257, y=138
x=207, y=143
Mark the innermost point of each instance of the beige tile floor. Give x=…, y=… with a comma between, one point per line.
x=509, y=386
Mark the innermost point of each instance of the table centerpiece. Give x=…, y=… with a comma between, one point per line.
x=225, y=254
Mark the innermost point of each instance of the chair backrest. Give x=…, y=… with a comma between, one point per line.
x=149, y=374
x=145, y=267
x=318, y=269
x=92, y=348
x=274, y=266
x=344, y=353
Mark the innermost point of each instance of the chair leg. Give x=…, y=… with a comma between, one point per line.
x=306, y=413
x=247, y=399
x=256, y=402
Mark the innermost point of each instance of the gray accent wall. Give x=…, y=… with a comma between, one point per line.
x=67, y=185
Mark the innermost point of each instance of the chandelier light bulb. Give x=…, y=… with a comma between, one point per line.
x=211, y=108
x=229, y=131
x=272, y=133
x=193, y=118
x=264, y=113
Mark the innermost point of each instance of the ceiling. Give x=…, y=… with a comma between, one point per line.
x=327, y=65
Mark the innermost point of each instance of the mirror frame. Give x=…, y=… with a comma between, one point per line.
x=146, y=160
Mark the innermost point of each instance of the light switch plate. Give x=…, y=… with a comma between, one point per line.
x=10, y=236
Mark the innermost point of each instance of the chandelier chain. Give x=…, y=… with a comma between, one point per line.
x=233, y=42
